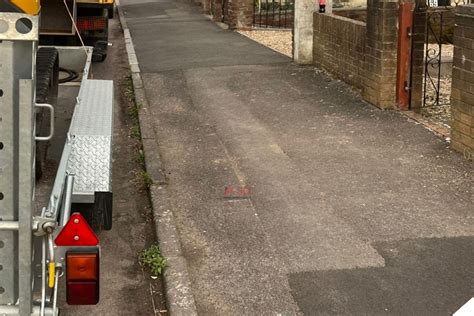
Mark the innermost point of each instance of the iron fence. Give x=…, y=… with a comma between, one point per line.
x=273, y=14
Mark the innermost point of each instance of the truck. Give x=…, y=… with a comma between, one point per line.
x=43, y=248
x=69, y=22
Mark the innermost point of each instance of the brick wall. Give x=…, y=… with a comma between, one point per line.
x=362, y=54
x=381, y=53
x=462, y=94
x=338, y=47
x=238, y=14
x=204, y=4
x=359, y=14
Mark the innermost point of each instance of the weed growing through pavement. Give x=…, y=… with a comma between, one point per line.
x=142, y=178
x=152, y=258
x=146, y=179
x=134, y=107
x=141, y=158
x=134, y=110
x=135, y=132
x=129, y=93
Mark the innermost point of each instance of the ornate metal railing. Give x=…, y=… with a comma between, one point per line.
x=273, y=13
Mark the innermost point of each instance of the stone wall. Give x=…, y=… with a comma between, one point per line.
x=462, y=94
x=362, y=54
x=338, y=47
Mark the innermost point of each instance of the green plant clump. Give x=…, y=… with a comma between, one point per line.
x=152, y=258
x=147, y=181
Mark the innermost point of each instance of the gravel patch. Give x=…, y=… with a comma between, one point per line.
x=281, y=41
x=446, y=50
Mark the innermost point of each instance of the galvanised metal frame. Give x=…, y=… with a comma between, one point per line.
x=84, y=170
x=18, y=43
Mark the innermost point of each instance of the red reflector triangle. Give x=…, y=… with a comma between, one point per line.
x=76, y=232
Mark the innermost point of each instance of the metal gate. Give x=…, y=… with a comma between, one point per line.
x=438, y=56
x=273, y=13
x=438, y=51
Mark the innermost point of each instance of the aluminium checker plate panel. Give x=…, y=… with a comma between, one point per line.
x=91, y=130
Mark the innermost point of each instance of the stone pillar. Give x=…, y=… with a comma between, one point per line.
x=206, y=6
x=381, y=53
x=303, y=31
x=462, y=93
x=418, y=55
x=240, y=14
x=216, y=10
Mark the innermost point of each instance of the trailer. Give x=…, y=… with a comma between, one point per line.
x=41, y=246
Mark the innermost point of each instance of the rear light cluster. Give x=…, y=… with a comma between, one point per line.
x=82, y=263
x=82, y=278
x=91, y=23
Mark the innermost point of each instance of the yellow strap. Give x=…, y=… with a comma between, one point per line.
x=52, y=274
x=31, y=7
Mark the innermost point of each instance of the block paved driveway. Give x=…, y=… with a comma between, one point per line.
x=352, y=210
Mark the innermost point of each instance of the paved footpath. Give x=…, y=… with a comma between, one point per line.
x=351, y=210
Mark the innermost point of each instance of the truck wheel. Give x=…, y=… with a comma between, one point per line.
x=111, y=12
x=98, y=57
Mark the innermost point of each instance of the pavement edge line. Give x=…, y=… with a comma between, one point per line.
x=179, y=298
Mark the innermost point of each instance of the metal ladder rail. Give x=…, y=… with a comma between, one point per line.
x=18, y=43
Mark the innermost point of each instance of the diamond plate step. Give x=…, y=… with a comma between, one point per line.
x=92, y=128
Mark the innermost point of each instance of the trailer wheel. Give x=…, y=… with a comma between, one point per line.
x=99, y=214
x=88, y=212
x=47, y=83
x=39, y=160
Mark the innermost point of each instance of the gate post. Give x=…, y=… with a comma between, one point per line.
x=303, y=31
x=462, y=94
x=405, y=25
x=418, y=55
x=239, y=14
x=380, y=65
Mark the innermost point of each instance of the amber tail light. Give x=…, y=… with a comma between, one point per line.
x=82, y=278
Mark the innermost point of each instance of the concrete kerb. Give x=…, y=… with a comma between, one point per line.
x=179, y=298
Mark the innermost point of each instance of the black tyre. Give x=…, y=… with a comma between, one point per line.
x=111, y=12
x=99, y=214
x=47, y=84
x=87, y=211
